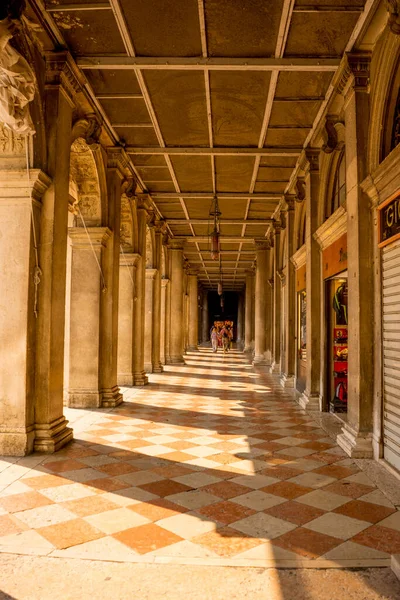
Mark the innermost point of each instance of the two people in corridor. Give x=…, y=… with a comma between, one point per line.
x=221, y=336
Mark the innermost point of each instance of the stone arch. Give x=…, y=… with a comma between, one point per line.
x=84, y=189
x=328, y=171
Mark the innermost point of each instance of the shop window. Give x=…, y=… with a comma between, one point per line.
x=338, y=197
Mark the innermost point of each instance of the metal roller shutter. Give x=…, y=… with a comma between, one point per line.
x=391, y=352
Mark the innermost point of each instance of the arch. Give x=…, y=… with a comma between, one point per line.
x=330, y=165
x=391, y=124
x=84, y=188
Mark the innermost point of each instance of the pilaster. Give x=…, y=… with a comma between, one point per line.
x=177, y=312
x=163, y=337
x=150, y=275
x=261, y=283
x=126, y=316
x=193, y=313
x=277, y=298
x=289, y=365
x=248, y=310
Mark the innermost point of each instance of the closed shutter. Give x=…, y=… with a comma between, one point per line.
x=391, y=352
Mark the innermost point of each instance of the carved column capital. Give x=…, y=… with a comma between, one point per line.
x=277, y=227
x=160, y=226
x=359, y=65
x=262, y=244
x=300, y=190
x=312, y=157
x=393, y=8
x=118, y=159
x=331, y=136
x=290, y=200
x=62, y=71
x=176, y=244
x=88, y=128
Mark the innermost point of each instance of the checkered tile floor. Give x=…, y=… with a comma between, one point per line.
x=213, y=463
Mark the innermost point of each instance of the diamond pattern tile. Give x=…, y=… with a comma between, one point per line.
x=211, y=460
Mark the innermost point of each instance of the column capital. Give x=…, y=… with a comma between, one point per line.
x=144, y=202
x=61, y=71
x=290, y=200
x=14, y=185
x=359, y=64
x=277, y=227
x=164, y=282
x=89, y=128
x=129, y=259
x=262, y=244
x=393, y=8
x=311, y=156
x=160, y=226
x=117, y=159
x=91, y=236
x=175, y=244
x=151, y=273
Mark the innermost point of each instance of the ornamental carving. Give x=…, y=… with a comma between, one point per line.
x=300, y=190
x=359, y=63
x=332, y=137
x=126, y=232
x=11, y=144
x=84, y=182
x=393, y=8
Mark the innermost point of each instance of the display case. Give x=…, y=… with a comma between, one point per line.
x=338, y=364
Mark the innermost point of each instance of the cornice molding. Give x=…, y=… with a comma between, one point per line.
x=90, y=236
x=62, y=71
x=332, y=229
x=129, y=259
x=299, y=257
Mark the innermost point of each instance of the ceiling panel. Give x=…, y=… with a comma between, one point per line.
x=297, y=84
x=126, y=110
x=90, y=32
x=155, y=160
x=179, y=101
x=138, y=136
x=199, y=208
x=294, y=113
x=193, y=173
x=233, y=173
x=242, y=28
x=163, y=27
x=319, y=33
x=109, y=81
x=286, y=137
x=271, y=186
x=238, y=103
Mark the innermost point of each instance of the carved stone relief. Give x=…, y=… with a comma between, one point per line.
x=126, y=231
x=84, y=178
x=149, y=250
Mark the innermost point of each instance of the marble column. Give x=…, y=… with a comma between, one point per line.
x=126, y=317
x=277, y=300
x=193, y=312
x=84, y=322
x=205, y=328
x=248, y=311
x=159, y=227
x=143, y=205
x=148, y=320
x=356, y=438
x=239, y=327
x=289, y=364
x=51, y=431
x=311, y=398
x=163, y=337
x=177, y=313
x=17, y=306
x=261, y=283
x=111, y=396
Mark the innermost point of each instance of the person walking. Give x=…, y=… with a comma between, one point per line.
x=214, y=339
x=230, y=334
x=225, y=339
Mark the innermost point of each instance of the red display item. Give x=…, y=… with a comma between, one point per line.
x=340, y=334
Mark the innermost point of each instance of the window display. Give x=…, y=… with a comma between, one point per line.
x=338, y=349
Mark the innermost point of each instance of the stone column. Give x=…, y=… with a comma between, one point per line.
x=140, y=378
x=239, y=327
x=289, y=366
x=193, y=312
x=17, y=307
x=61, y=85
x=311, y=399
x=248, y=310
x=149, y=319
x=277, y=299
x=205, y=328
x=84, y=324
x=111, y=396
x=126, y=317
x=156, y=328
x=356, y=438
x=163, y=337
x=177, y=316
x=262, y=248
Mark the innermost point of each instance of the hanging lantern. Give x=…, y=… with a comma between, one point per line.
x=220, y=288
x=215, y=245
x=222, y=303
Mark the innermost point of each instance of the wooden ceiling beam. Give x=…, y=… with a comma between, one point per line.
x=222, y=221
x=254, y=196
x=199, y=63
x=221, y=151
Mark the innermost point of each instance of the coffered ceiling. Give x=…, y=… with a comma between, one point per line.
x=211, y=97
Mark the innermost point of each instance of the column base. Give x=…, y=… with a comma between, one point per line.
x=275, y=368
x=192, y=349
x=125, y=379
x=17, y=442
x=50, y=437
x=354, y=443
x=148, y=367
x=111, y=397
x=140, y=378
x=310, y=401
x=247, y=349
x=158, y=368
x=287, y=381
x=83, y=399
x=260, y=361
x=176, y=360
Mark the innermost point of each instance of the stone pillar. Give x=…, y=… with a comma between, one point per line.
x=193, y=312
x=84, y=323
x=163, y=337
x=126, y=317
x=239, y=326
x=261, y=283
x=111, y=396
x=311, y=399
x=177, y=314
x=139, y=306
x=156, y=328
x=149, y=319
x=248, y=310
x=205, y=328
x=61, y=85
x=17, y=307
x=277, y=299
x=289, y=366
x=356, y=438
